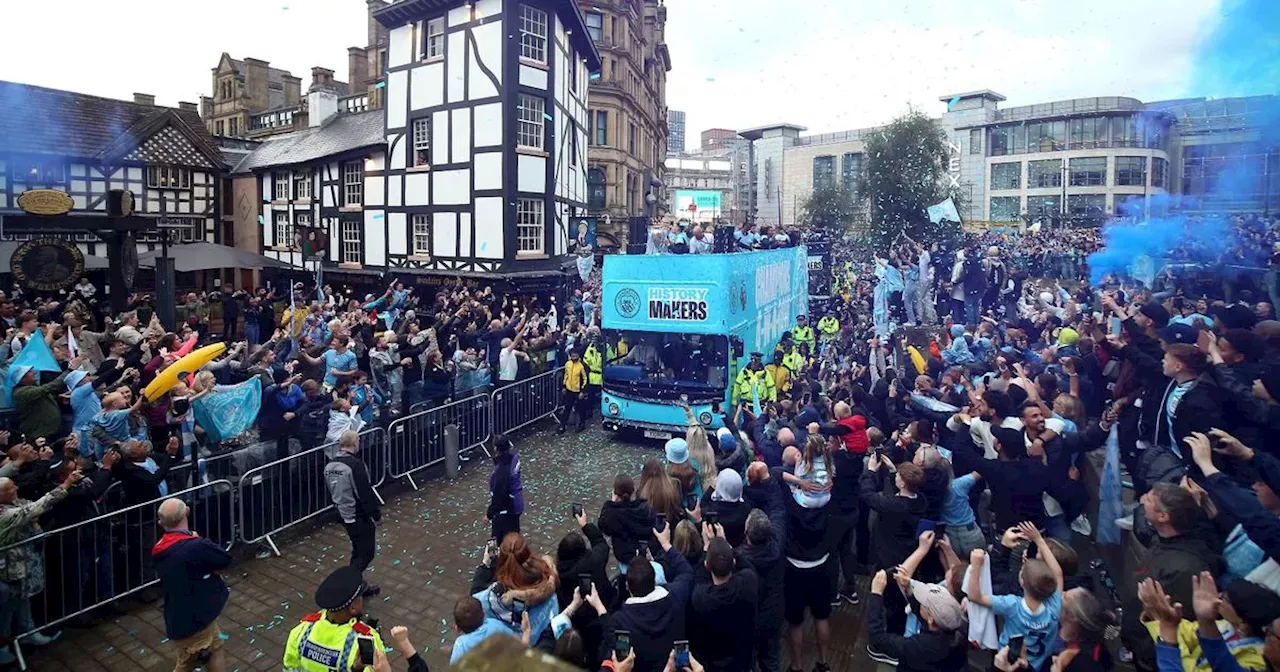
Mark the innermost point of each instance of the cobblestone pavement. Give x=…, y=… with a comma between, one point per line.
x=428, y=546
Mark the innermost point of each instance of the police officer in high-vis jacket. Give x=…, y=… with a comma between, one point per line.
x=803, y=333
x=754, y=383
x=325, y=641
x=829, y=327
x=594, y=359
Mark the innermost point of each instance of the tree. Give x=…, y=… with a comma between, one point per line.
x=828, y=208
x=906, y=172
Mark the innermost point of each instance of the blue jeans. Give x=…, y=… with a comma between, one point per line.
x=252, y=331
x=15, y=610
x=1059, y=528
x=972, y=308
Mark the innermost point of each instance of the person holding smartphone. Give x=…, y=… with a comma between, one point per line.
x=582, y=560
x=326, y=635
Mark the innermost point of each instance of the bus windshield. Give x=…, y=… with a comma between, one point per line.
x=664, y=361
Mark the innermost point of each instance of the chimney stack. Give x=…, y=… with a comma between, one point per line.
x=322, y=98
x=188, y=107
x=357, y=68
x=144, y=99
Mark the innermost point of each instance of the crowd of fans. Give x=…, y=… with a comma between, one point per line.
x=943, y=465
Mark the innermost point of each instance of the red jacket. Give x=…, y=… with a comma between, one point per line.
x=856, y=440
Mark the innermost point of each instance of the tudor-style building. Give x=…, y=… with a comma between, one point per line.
x=87, y=145
x=486, y=136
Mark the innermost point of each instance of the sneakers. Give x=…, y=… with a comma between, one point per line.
x=849, y=595
x=1082, y=526
x=881, y=657
x=1125, y=523
x=39, y=639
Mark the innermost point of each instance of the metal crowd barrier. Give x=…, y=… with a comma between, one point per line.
x=283, y=493
x=417, y=441
x=178, y=478
x=527, y=401
x=93, y=562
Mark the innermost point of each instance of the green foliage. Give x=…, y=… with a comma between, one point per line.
x=829, y=208
x=906, y=172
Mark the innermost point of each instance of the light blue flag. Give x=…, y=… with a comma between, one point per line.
x=930, y=404
x=229, y=409
x=37, y=355
x=1110, y=493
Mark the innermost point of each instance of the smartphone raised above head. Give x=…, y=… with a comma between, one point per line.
x=577, y=509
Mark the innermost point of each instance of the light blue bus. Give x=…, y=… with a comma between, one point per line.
x=689, y=324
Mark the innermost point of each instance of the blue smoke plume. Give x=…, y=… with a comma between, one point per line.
x=1239, y=57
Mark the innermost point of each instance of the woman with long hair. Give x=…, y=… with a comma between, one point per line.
x=701, y=456
x=1083, y=626
x=517, y=574
x=661, y=491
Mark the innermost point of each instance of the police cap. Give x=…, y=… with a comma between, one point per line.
x=340, y=589
x=757, y=355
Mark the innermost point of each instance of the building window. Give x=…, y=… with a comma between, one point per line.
x=34, y=173
x=975, y=141
x=529, y=132
x=168, y=177
x=421, y=236
x=824, y=172
x=631, y=137
x=595, y=25
x=533, y=34
x=1006, y=175
x=301, y=184
x=351, y=242
x=1006, y=208
x=302, y=220
x=1044, y=206
x=1089, y=171
x=1044, y=174
x=602, y=128
x=422, y=141
x=573, y=145
x=595, y=188
x=284, y=230
x=1130, y=205
x=234, y=127
x=573, y=73
x=1131, y=171
x=1159, y=172
x=221, y=129
x=850, y=172
x=352, y=184
x=1086, y=204
x=529, y=226
x=280, y=185
x=435, y=38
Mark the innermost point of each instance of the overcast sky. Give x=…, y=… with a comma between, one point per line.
x=826, y=64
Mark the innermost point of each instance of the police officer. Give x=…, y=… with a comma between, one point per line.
x=754, y=383
x=829, y=327
x=594, y=360
x=325, y=641
x=803, y=333
x=792, y=359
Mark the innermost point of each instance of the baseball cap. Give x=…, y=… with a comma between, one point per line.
x=944, y=608
x=1179, y=333
x=1156, y=313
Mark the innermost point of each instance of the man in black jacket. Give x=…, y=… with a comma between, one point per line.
x=584, y=554
x=654, y=615
x=938, y=646
x=356, y=501
x=766, y=537
x=897, y=517
x=807, y=580
x=723, y=606
x=194, y=593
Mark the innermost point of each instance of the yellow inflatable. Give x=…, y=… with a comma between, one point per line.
x=166, y=379
x=917, y=359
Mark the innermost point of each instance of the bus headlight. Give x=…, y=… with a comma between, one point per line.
x=613, y=409
x=704, y=417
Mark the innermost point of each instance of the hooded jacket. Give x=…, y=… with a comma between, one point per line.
x=194, y=593
x=629, y=525
x=767, y=558
x=506, y=490
x=656, y=620
x=723, y=624
x=594, y=562
x=732, y=516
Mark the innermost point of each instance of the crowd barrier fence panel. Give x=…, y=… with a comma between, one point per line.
x=280, y=494
x=527, y=401
x=416, y=441
x=94, y=562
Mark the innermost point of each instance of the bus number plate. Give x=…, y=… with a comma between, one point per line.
x=655, y=434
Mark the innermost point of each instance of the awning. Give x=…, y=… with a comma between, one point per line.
x=208, y=256
x=7, y=248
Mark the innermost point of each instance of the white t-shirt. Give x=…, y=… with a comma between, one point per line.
x=508, y=365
